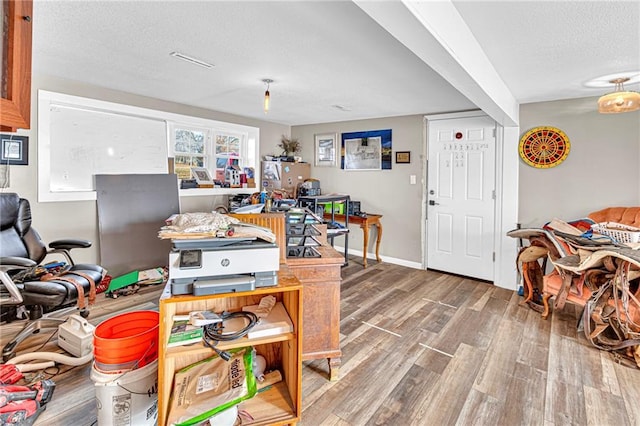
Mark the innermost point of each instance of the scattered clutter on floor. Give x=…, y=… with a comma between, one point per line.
x=22, y=404
x=133, y=281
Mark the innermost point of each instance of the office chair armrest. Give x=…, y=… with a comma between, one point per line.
x=16, y=263
x=64, y=247
x=69, y=244
x=13, y=295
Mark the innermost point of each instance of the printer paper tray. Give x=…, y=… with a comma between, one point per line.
x=209, y=243
x=202, y=286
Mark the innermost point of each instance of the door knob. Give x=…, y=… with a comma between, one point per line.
x=433, y=203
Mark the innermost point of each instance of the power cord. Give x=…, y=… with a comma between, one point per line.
x=213, y=333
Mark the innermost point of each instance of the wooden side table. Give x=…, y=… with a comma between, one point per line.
x=366, y=223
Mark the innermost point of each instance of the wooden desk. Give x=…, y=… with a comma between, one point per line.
x=320, y=278
x=365, y=223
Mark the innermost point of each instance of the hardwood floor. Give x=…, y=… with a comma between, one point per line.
x=426, y=348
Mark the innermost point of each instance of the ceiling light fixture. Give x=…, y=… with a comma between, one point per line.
x=267, y=95
x=620, y=100
x=191, y=59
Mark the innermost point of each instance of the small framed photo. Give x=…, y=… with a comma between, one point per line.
x=325, y=149
x=403, y=157
x=201, y=175
x=14, y=150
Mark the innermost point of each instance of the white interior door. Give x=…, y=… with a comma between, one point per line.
x=461, y=196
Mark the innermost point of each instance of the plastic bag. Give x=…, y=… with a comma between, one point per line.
x=210, y=386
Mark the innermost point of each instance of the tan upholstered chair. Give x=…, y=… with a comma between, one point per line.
x=625, y=215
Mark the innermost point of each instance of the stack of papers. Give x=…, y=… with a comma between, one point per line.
x=151, y=276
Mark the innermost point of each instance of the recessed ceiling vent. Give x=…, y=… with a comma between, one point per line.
x=341, y=107
x=191, y=59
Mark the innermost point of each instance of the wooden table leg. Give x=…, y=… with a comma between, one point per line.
x=378, y=239
x=365, y=231
x=334, y=368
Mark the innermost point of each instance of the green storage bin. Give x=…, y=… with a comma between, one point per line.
x=338, y=207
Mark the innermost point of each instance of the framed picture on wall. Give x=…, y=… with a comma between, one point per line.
x=366, y=150
x=363, y=153
x=14, y=150
x=325, y=149
x=403, y=157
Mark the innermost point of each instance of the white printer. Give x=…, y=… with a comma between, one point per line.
x=222, y=265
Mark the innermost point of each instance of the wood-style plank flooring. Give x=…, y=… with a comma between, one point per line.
x=425, y=348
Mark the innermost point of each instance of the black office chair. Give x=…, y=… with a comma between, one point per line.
x=21, y=291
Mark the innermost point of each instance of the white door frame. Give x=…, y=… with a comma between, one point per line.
x=506, y=205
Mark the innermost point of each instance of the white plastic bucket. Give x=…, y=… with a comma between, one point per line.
x=227, y=417
x=129, y=398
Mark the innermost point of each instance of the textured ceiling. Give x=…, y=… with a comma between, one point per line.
x=323, y=54
x=547, y=50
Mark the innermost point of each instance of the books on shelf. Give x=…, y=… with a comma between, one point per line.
x=277, y=322
x=183, y=333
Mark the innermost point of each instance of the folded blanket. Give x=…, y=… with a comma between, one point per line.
x=212, y=225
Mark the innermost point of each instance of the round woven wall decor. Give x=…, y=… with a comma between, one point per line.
x=544, y=147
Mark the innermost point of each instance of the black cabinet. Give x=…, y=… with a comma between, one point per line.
x=302, y=233
x=338, y=204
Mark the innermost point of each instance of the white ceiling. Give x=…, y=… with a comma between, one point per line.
x=323, y=54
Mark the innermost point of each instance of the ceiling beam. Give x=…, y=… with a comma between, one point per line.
x=436, y=33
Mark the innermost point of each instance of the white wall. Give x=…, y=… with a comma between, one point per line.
x=79, y=219
x=600, y=171
x=385, y=192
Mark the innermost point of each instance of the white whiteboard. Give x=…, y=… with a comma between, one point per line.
x=79, y=138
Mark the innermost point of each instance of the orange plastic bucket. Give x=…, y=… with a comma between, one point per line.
x=128, y=340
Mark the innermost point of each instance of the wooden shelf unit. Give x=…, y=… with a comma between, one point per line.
x=279, y=405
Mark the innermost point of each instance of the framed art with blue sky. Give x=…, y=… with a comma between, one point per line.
x=367, y=150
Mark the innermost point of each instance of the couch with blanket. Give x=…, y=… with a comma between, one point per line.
x=624, y=215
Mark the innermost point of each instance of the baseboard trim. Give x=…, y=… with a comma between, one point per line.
x=388, y=259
